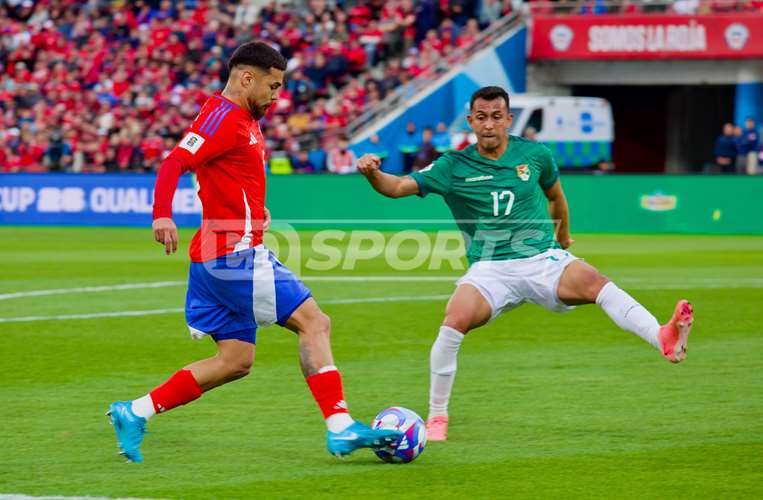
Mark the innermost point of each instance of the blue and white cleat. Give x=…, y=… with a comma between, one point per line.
x=359, y=435
x=129, y=428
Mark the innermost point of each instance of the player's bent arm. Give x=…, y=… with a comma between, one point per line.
x=393, y=186
x=384, y=183
x=559, y=211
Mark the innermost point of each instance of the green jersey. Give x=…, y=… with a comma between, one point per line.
x=499, y=205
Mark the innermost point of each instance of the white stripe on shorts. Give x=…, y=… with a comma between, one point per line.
x=247, y=238
x=263, y=288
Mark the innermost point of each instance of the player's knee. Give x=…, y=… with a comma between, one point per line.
x=594, y=285
x=458, y=322
x=319, y=326
x=239, y=367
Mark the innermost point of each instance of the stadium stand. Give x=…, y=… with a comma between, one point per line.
x=109, y=86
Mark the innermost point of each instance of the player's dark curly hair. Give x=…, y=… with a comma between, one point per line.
x=488, y=94
x=258, y=54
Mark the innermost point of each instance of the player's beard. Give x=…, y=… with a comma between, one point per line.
x=258, y=110
x=490, y=143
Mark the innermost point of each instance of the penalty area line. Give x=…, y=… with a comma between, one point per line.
x=150, y=312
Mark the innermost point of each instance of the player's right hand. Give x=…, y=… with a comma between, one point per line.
x=166, y=233
x=368, y=164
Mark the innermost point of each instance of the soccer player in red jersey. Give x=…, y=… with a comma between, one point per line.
x=235, y=283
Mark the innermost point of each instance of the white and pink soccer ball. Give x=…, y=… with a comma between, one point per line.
x=414, y=432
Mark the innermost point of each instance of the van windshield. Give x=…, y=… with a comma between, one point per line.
x=517, y=112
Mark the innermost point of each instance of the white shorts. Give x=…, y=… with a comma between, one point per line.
x=507, y=284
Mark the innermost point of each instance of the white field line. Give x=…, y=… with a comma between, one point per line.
x=90, y=289
x=637, y=283
x=165, y=284
x=149, y=312
x=14, y=496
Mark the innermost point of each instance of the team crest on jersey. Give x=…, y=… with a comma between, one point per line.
x=523, y=172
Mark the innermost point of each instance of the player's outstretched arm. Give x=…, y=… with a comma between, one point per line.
x=384, y=183
x=559, y=211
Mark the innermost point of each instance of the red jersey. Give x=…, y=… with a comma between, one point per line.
x=225, y=147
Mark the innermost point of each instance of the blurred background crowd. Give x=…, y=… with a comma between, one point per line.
x=110, y=86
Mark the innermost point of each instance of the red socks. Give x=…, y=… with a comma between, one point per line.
x=182, y=388
x=327, y=391
x=179, y=389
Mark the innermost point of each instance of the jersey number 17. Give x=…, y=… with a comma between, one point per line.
x=497, y=197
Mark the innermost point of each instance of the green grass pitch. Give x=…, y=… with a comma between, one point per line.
x=545, y=405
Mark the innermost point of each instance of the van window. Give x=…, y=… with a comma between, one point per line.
x=536, y=120
x=517, y=112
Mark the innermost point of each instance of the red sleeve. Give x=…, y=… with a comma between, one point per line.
x=166, y=182
x=202, y=144
x=210, y=136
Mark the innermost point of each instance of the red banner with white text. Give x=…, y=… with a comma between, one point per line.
x=720, y=36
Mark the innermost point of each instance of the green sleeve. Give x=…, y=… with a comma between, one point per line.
x=549, y=172
x=434, y=178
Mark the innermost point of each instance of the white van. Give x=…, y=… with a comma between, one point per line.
x=578, y=130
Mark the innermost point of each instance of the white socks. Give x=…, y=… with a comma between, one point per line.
x=629, y=314
x=144, y=407
x=339, y=422
x=443, y=364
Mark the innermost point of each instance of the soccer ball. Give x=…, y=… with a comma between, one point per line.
x=414, y=432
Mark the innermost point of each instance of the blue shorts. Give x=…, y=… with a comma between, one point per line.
x=229, y=297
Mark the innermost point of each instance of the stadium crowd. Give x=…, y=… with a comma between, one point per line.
x=679, y=7
x=110, y=86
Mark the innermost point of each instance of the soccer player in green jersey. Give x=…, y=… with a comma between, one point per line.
x=506, y=196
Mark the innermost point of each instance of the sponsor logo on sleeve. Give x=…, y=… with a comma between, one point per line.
x=192, y=142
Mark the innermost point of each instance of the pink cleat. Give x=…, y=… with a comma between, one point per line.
x=437, y=429
x=675, y=333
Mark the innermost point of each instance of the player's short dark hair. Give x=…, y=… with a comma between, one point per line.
x=257, y=54
x=488, y=94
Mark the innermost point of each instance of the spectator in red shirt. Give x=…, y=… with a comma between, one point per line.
x=433, y=41
x=341, y=160
x=469, y=34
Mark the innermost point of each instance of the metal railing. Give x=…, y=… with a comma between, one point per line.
x=430, y=77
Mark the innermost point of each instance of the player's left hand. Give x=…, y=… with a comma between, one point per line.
x=166, y=233
x=566, y=241
x=266, y=221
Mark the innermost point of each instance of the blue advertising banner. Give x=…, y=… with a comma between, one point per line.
x=90, y=200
